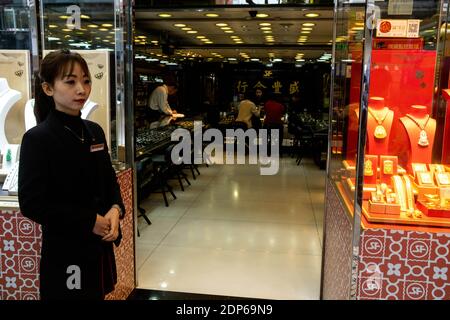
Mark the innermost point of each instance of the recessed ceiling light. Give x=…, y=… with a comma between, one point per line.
x=266, y=28
x=92, y=26
x=308, y=24
x=265, y=24
x=164, y=15
x=312, y=15
x=107, y=25
x=229, y=31
x=222, y=24
x=305, y=32
x=211, y=15
x=53, y=26
x=192, y=31
x=103, y=29
x=142, y=37
x=154, y=41
x=66, y=30
x=307, y=28
x=204, y=40
x=83, y=16
x=179, y=25
x=186, y=29
x=239, y=42
x=200, y=37
x=234, y=37
x=262, y=15
x=267, y=31
x=209, y=42
x=225, y=28
x=270, y=40
x=64, y=17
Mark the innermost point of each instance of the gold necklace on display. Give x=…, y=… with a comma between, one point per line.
x=423, y=136
x=380, y=131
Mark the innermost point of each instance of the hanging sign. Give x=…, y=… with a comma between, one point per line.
x=395, y=28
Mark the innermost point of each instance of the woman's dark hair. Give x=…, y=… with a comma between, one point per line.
x=55, y=65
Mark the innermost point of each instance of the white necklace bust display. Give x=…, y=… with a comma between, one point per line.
x=8, y=97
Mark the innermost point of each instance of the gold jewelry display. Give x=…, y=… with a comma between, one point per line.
x=380, y=131
x=400, y=191
x=388, y=167
x=423, y=136
x=443, y=179
x=425, y=178
x=409, y=196
x=368, y=170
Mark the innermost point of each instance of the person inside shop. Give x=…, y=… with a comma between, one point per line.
x=68, y=185
x=247, y=109
x=274, y=111
x=158, y=101
x=259, y=98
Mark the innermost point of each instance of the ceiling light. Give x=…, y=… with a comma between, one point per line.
x=232, y=59
x=305, y=32
x=234, y=37
x=358, y=28
x=262, y=15
x=52, y=39
x=154, y=41
x=83, y=16
x=164, y=15
x=66, y=30
x=225, y=28
x=186, y=29
x=267, y=31
x=229, y=31
x=308, y=24
x=266, y=28
x=142, y=37
x=307, y=29
x=103, y=29
x=92, y=26
x=211, y=15
x=53, y=26
x=179, y=25
x=192, y=31
x=265, y=24
x=64, y=17
x=200, y=37
x=239, y=42
x=222, y=24
x=270, y=40
x=205, y=40
x=254, y=59
x=108, y=25
x=312, y=15
x=209, y=42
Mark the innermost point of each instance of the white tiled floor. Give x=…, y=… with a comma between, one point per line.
x=234, y=232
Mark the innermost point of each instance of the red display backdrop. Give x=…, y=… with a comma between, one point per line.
x=20, y=248
x=403, y=78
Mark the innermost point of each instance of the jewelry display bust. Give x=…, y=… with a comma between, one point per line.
x=8, y=97
x=420, y=129
x=379, y=124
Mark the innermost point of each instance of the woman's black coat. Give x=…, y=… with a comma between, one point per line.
x=62, y=186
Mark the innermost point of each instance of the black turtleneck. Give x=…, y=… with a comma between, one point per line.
x=75, y=123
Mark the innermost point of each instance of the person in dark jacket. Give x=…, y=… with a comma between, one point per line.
x=68, y=185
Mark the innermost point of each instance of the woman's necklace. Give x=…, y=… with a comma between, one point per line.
x=76, y=135
x=380, y=131
x=423, y=136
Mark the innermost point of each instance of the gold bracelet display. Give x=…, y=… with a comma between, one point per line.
x=400, y=191
x=410, y=199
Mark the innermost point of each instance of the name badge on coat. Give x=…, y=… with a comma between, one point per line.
x=97, y=147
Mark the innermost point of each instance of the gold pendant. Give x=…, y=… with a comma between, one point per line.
x=380, y=132
x=368, y=171
x=388, y=167
x=423, y=139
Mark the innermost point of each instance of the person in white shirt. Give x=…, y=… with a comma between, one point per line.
x=158, y=99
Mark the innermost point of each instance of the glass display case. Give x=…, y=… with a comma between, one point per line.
x=388, y=186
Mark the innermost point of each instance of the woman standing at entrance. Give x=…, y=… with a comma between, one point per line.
x=67, y=184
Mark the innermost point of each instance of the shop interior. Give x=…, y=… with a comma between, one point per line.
x=219, y=229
